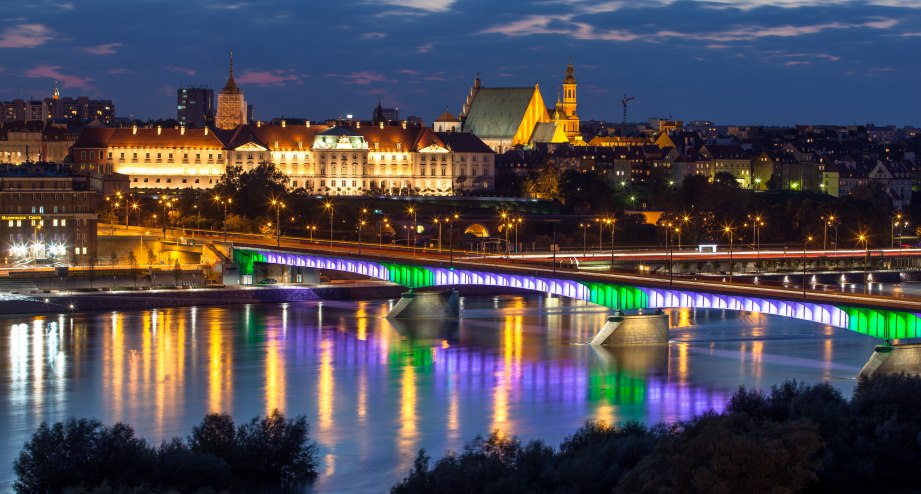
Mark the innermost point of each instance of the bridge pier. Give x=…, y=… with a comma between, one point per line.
x=894, y=359
x=426, y=305
x=633, y=329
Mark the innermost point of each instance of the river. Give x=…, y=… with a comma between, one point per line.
x=374, y=392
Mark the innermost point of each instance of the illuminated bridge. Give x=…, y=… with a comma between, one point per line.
x=878, y=317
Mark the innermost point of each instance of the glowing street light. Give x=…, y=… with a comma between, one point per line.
x=225, y=202
x=412, y=211
x=808, y=240
x=728, y=229
x=278, y=205
x=328, y=205
x=866, y=259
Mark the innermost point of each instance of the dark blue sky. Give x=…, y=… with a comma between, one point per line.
x=731, y=61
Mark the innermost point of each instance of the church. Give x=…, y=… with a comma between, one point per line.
x=510, y=117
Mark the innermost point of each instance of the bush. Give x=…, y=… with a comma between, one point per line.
x=795, y=438
x=83, y=456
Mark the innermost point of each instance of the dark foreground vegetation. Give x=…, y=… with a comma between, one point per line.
x=84, y=456
x=796, y=438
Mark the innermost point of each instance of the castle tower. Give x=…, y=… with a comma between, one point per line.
x=568, y=108
x=231, y=107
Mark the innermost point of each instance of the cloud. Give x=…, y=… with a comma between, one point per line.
x=425, y=48
x=793, y=63
x=107, y=49
x=268, y=77
x=595, y=7
x=566, y=25
x=226, y=6
x=121, y=71
x=373, y=35
x=362, y=78
x=184, y=70
x=53, y=72
x=409, y=71
x=424, y=5
x=25, y=36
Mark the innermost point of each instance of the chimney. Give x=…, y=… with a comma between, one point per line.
x=358, y=125
x=258, y=123
x=159, y=130
x=283, y=124
x=382, y=125
x=206, y=130
x=404, y=124
x=182, y=130
x=134, y=129
x=276, y=144
x=307, y=123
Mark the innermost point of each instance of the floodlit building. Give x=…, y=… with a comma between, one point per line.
x=231, y=106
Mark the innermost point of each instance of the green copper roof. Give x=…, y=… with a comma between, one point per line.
x=498, y=112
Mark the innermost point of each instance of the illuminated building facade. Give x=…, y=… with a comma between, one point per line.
x=345, y=158
x=34, y=141
x=46, y=213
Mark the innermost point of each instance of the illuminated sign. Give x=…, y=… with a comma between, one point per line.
x=6, y=217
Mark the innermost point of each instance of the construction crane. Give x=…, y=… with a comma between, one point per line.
x=625, y=101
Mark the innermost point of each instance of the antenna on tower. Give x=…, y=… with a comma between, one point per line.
x=624, y=101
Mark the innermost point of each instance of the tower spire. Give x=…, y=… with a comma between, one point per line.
x=231, y=63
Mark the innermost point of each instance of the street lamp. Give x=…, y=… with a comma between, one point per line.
x=600, y=236
x=451, y=240
x=311, y=229
x=808, y=240
x=610, y=222
x=278, y=205
x=898, y=220
x=361, y=226
x=412, y=211
x=329, y=207
x=728, y=229
x=438, y=222
x=584, y=227
x=517, y=223
x=866, y=259
x=225, y=203
x=380, y=231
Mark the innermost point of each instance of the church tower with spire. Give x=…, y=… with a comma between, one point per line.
x=567, y=109
x=231, y=107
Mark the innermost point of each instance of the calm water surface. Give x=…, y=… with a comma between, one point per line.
x=375, y=391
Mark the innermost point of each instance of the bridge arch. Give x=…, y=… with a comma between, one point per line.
x=878, y=323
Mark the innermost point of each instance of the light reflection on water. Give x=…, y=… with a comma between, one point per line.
x=375, y=391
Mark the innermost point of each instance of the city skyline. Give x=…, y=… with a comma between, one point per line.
x=777, y=62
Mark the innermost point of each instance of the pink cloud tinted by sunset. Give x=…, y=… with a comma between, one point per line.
x=53, y=72
x=25, y=36
x=267, y=78
x=361, y=78
x=107, y=49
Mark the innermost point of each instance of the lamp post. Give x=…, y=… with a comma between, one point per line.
x=517, y=223
x=728, y=230
x=380, y=231
x=451, y=240
x=361, y=226
x=278, y=207
x=610, y=222
x=898, y=219
x=600, y=226
x=311, y=229
x=439, y=223
x=225, y=203
x=412, y=211
x=808, y=240
x=866, y=260
x=328, y=205
x=584, y=227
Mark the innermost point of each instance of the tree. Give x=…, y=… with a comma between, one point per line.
x=133, y=262
x=546, y=183
x=151, y=256
x=177, y=271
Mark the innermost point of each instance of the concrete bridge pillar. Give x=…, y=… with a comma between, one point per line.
x=426, y=305
x=633, y=329
x=894, y=359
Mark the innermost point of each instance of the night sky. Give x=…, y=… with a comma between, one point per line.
x=730, y=61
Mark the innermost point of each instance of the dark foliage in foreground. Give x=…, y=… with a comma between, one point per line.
x=796, y=438
x=83, y=456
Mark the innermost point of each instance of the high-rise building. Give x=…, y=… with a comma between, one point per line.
x=194, y=105
x=73, y=110
x=231, y=107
